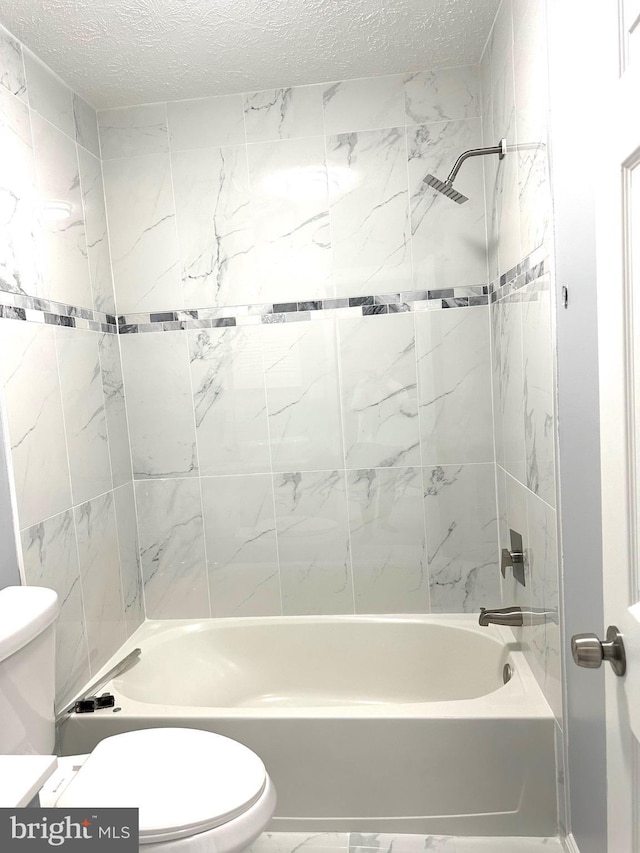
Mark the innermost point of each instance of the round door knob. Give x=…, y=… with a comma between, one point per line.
x=587, y=650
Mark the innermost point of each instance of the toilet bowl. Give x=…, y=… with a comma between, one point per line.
x=196, y=791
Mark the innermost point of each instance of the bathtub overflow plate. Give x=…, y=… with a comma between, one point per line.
x=507, y=672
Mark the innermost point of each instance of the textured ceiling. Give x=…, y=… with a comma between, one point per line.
x=119, y=52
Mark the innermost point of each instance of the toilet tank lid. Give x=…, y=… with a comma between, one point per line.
x=25, y=612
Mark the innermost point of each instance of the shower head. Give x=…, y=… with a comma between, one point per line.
x=445, y=188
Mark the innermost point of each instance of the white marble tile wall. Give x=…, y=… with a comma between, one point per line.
x=334, y=479
x=61, y=388
x=294, y=194
x=54, y=242
x=100, y=577
x=170, y=530
x=63, y=398
x=160, y=405
x=514, y=94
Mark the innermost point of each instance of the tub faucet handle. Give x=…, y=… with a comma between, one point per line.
x=513, y=558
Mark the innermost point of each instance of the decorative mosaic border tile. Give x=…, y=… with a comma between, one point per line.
x=531, y=268
x=15, y=306
x=300, y=312
x=18, y=307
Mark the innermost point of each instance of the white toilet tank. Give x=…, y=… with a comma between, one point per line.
x=27, y=670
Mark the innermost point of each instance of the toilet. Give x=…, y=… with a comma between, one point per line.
x=197, y=792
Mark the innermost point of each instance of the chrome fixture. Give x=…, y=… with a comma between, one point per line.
x=516, y=616
x=513, y=557
x=589, y=651
x=507, y=672
x=89, y=695
x=446, y=188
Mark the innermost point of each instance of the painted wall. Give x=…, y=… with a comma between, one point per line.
x=515, y=97
x=60, y=367
x=306, y=348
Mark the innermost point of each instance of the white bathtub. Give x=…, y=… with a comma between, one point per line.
x=365, y=723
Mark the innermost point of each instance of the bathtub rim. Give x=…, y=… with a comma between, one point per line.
x=520, y=698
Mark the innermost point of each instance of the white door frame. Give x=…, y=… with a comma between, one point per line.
x=619, y=376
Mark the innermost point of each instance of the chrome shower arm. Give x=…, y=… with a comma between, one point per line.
x=500, y=149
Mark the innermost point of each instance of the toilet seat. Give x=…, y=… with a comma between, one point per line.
x=184, y=781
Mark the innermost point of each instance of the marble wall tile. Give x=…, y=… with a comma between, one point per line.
x=500, y=42
x=444, y=94
x=379, y=392
x=489, y=168
x=86, y=125
x=215, y=233
x=129, y=554
x=367, y=104
x=142, y=234
x=448, y=240
x=512, y=502
x=172, y=549
x=12, y=75
x=50, y=556
x=531, y=108
x=159, y=405
x=115, y=410
x=130, y=131
x=539, y=420
x=206, y=122
x=229, y=400
x=491, y=187
x=542, y=555
x=369, y=212
x=460, y=512
x=28, y=367
x=242, y=554
x=502, y=175
x=84, y=413
x=284, y=113
x=386, y=520
x=508, y=388
x=486, y=108
x=48, y=95
x=21, y=261
x=100, y=574
x=313, y=543
x=290, y=211
x=65, y=244
x=498, y=370
x=301, y=375
x=96, y=232
x=454, y=381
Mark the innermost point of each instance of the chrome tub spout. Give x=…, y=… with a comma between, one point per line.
x=516, y=616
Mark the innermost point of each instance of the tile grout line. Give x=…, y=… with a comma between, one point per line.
x=337, y=335
x=260, y=337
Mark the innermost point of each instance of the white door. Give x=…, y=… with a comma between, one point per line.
x=616, y=169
